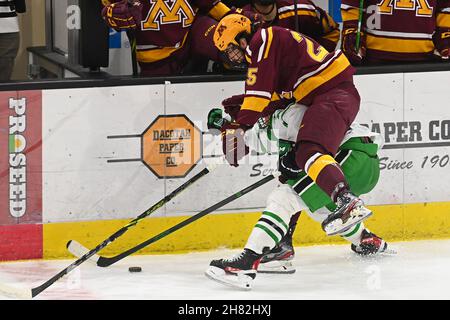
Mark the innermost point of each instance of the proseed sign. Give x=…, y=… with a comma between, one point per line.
x=20, y=175
x=17, y=158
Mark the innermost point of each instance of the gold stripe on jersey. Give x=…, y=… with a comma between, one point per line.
x=350, y=14
x=309, y=85
x=255, y=104
x=399, y=45
x=316, y=168
x=299, y=12
x=330, y=29
x=333, y=36
x=275, y=97
x=443, y=20
x=218, y=11
x=153, y=55
x=269, y=42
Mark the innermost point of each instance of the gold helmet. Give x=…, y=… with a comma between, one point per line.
x=229, y=28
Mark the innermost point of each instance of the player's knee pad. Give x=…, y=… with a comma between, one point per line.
x=284, y=202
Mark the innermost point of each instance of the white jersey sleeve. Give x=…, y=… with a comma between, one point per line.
x=284, y=124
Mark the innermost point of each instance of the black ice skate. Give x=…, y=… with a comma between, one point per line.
x=279, y=259
x=371, y=244
x=239, y=271
x=350, y=211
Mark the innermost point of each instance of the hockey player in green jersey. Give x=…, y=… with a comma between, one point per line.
x=269, y=248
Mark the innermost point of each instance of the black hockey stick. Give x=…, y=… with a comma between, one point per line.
x=31, y=293
x=72, y=245
x=106, y=262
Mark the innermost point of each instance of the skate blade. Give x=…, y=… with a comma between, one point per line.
x=389, y=252
x=241, y=282
x=386, y=252
x=278, y=267
x=358, y=214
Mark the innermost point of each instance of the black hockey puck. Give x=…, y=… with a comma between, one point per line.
x=135, y=269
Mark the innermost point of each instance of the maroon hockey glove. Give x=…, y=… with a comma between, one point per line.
x=123, y=15
x=232, y=105
x=233, y=144
x=441, y=39
x=349, y=39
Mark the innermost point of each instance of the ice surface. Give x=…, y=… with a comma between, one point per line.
x=420, y=270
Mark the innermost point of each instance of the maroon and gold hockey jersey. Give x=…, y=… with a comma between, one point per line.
x=166, y=25
x=398, y=30
x=312, y=21
x=288, y=65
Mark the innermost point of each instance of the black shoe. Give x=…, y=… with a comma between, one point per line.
x=370, y=244
x=350, y=211
x=238, y=271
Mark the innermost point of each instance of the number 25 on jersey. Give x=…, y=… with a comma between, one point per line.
x=318, y=54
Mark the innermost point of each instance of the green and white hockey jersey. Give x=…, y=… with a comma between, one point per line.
x=357, y=156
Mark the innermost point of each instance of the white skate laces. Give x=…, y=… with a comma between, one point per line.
x=235, y=257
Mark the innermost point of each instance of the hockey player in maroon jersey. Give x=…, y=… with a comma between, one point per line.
x=272, y=233
x=302, y=16
x=395, y=31
x=168, y=32
x=284, y=64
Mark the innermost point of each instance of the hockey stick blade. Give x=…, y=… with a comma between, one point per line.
x=28, y=294
x=16, y=293
x=107, y=261
x=79, y=250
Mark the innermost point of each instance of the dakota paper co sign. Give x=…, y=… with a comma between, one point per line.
x=171, y=146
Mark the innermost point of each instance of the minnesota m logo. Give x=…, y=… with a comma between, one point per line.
x=168, y=11
x=422, y=7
